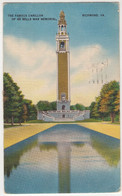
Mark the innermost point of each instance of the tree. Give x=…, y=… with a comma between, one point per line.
x=95, y=109
x=30, y=111
x=77, y=107
x=13, y=97
x=53, y=105
x=43, y=105
x=109, y=103
x=25, y=113
x=91, y=107
x=16, y=108
x=87, y=108
x=117, y=103
x=72, y=107
x=33, y=112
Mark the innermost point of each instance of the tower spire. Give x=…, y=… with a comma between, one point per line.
x=62, y=25
x=62, y=20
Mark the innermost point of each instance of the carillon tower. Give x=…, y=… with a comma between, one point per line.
x=63, y=111
x=63, y=65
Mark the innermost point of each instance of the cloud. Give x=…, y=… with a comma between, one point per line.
x=83, y=58
x=28, y=53
x=86, y=55
x=90, y=63
x=33, y=66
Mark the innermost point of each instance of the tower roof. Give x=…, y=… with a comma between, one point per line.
x=62, y=20
x=62, y=13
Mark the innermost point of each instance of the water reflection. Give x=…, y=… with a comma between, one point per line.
x=64, y=151
x=108, y=149
x=64, y=167
x=12, y=155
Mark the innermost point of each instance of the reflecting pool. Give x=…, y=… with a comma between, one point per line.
x=66, y=158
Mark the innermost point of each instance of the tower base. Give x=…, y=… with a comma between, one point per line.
x=72, y=115
x=63, y=105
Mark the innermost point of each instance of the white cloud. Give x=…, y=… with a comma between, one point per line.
x=90, y=63
x=28, y=53
x=33, y=66
x=86, y=55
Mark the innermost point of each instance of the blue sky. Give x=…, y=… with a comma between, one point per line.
x=86, y=34
x=83, y=30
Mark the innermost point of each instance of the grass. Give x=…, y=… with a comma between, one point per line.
x=105, y=128
x=37, y=121
x=82, y=121
x=20, y=133
x=86, y=120
x=8, y=126
x=116, y=122
x=91, y=120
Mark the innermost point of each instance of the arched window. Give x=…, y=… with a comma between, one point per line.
x=62, y=28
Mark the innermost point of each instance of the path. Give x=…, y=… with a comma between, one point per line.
x=14, y=135
x=105, y=128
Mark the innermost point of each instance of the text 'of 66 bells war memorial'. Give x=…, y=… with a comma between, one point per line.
x=63, y=111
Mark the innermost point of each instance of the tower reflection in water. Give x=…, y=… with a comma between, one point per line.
x=64, y=159
x=64, y=167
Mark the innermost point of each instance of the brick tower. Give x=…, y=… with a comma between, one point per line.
x=63, y=65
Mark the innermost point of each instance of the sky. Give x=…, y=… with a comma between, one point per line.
x=30, y=48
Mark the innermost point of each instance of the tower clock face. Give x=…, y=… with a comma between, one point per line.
x=62, y=45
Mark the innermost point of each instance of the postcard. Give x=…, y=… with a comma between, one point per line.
x=61, y=97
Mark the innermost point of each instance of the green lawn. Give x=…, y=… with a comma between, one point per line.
x=36, y=121
x=7, y=126
x=86, y=120
x=90, y=120
x=41, y=121
x=116, y=122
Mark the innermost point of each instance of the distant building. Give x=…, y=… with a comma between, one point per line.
x=63, y=111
